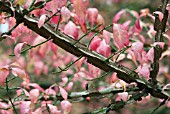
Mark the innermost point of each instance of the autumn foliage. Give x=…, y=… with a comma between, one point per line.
x=61, y=57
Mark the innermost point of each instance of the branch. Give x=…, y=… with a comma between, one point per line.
x=84, y=94
x=159, y=26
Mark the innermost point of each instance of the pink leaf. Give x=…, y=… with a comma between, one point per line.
x=150, y=54
x=144, y=70
x=139, y=53
x=50, y=91
x=106, y=36
x=41, y=20
x=114, y=77
x=80, y=9
x=126, y=24
x=137, y=27
x=54, y=109
x=93, y=71
x=38, y=67
x=66, y=106
x=71, y=29
x=142, y=57
x=4, y=72
x=118, y=16
x=18, y=48
x=121, y=36
x=55, y=19
x=63, y=93
x=25, y=107
x=37, y=111
x=92, y=14
x=104, y=49
x=79, y=63
x=65, y=14
x=69, y=87
x=131, y=56
x=137, y=47
x=95, y=43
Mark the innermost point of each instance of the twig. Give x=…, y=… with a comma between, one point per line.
x=162, y=103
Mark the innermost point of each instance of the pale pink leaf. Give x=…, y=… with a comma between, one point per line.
x=121, y=36
x=64, y=80
x=69, y=87
x=161, y=44
x=25, y=107
x=160, y=14
x=65, y=14
x=4, y=72
x=50, y=91
x=18, y=48
x=19, y=72
x=71, y=29
x=168, y=8
x=66, y=106
x=63, y=93
x=106, y=36
x=165, y=53
x=144, y=12
x=41, y=20
x=34, y=93
x=26, y=92
x=137, y=47
x=100, y=20
x=92, y=14
x=122, y=96
x=144, y=70
x=134, y=13
x=36, y=86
